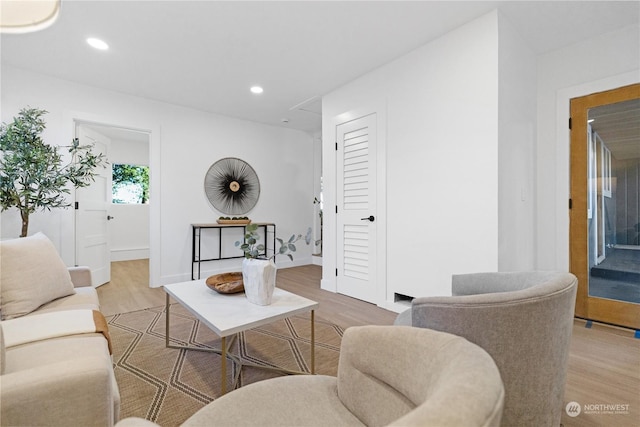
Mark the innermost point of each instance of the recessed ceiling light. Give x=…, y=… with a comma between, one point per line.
x=97, y=43
x=256, y=89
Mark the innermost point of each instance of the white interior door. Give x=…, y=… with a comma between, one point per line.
x=356, y=208
x=92, y=213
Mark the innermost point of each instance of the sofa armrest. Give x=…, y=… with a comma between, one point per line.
x=76, y=392
x=80, y=276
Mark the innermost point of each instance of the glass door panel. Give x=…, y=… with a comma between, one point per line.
x=614, y=136
x=605, y=214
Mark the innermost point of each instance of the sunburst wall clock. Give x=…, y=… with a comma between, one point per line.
x=232, y=186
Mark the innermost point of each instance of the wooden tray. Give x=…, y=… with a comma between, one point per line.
x=226, y=283
x=233, y=221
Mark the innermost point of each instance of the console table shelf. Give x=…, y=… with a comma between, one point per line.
x=196, y=240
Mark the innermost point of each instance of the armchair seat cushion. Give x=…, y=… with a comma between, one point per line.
x=301, y=401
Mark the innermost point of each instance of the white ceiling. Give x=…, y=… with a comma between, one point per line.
x=206, y=54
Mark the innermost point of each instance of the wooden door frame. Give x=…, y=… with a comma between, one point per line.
x=605, y=310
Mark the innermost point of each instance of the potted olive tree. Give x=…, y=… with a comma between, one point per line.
x=32, y=174
x=258, y=269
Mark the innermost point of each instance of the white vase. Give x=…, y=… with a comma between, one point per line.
x=259, y=277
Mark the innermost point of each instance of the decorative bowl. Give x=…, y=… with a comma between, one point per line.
x=226, y=283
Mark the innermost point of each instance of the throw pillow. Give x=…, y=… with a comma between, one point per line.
x=31, y=274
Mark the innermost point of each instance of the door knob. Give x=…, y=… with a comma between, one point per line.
x=369, y=218
x=109, y=217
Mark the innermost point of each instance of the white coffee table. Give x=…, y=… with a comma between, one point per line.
x=227, y=315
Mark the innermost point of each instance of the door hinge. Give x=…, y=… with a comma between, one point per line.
x=77, y=206
x=570, y=204
x=569, y=123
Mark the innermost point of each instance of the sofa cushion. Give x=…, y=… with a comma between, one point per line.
x=83, y=299
x=32, y=274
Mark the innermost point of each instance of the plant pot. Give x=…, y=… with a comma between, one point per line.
x=259, y=277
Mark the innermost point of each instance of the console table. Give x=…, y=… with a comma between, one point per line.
x=196, y=239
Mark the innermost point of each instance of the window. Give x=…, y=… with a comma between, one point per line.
x=130, y=184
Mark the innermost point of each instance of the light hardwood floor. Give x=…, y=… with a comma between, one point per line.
x=604, y=361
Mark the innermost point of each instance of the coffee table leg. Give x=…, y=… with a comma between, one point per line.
x=313, y=342
x=223, y=367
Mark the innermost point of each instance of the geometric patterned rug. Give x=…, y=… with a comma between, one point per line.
x=167, y=385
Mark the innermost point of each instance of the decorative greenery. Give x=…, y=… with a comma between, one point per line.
x=32, y=176
x=254, y=249
x=318, y=242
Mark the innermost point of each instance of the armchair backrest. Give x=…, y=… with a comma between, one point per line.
x=524, y=321
x=398, y=375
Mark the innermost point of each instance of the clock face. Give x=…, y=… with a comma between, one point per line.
x=232, y=186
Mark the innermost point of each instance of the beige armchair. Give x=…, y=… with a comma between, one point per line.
x=386, y=376
x=524, y=321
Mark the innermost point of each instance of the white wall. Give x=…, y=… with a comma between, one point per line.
x=441, y=107
x=183, y=145
x=129, y=230
x=601, y=63
x=516, y=136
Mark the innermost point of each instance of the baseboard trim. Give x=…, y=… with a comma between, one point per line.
x=129, y=254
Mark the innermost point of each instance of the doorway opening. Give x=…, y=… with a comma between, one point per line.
x=106, y=231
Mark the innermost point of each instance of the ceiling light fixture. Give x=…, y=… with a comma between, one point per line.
x=28, y=16
x=256, y=89
x=97, y=43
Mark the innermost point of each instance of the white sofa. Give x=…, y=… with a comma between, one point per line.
x=55, y=369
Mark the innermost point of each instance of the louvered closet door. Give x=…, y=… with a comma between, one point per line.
x=356, y=255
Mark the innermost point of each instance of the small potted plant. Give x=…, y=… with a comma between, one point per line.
x=258, y=269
